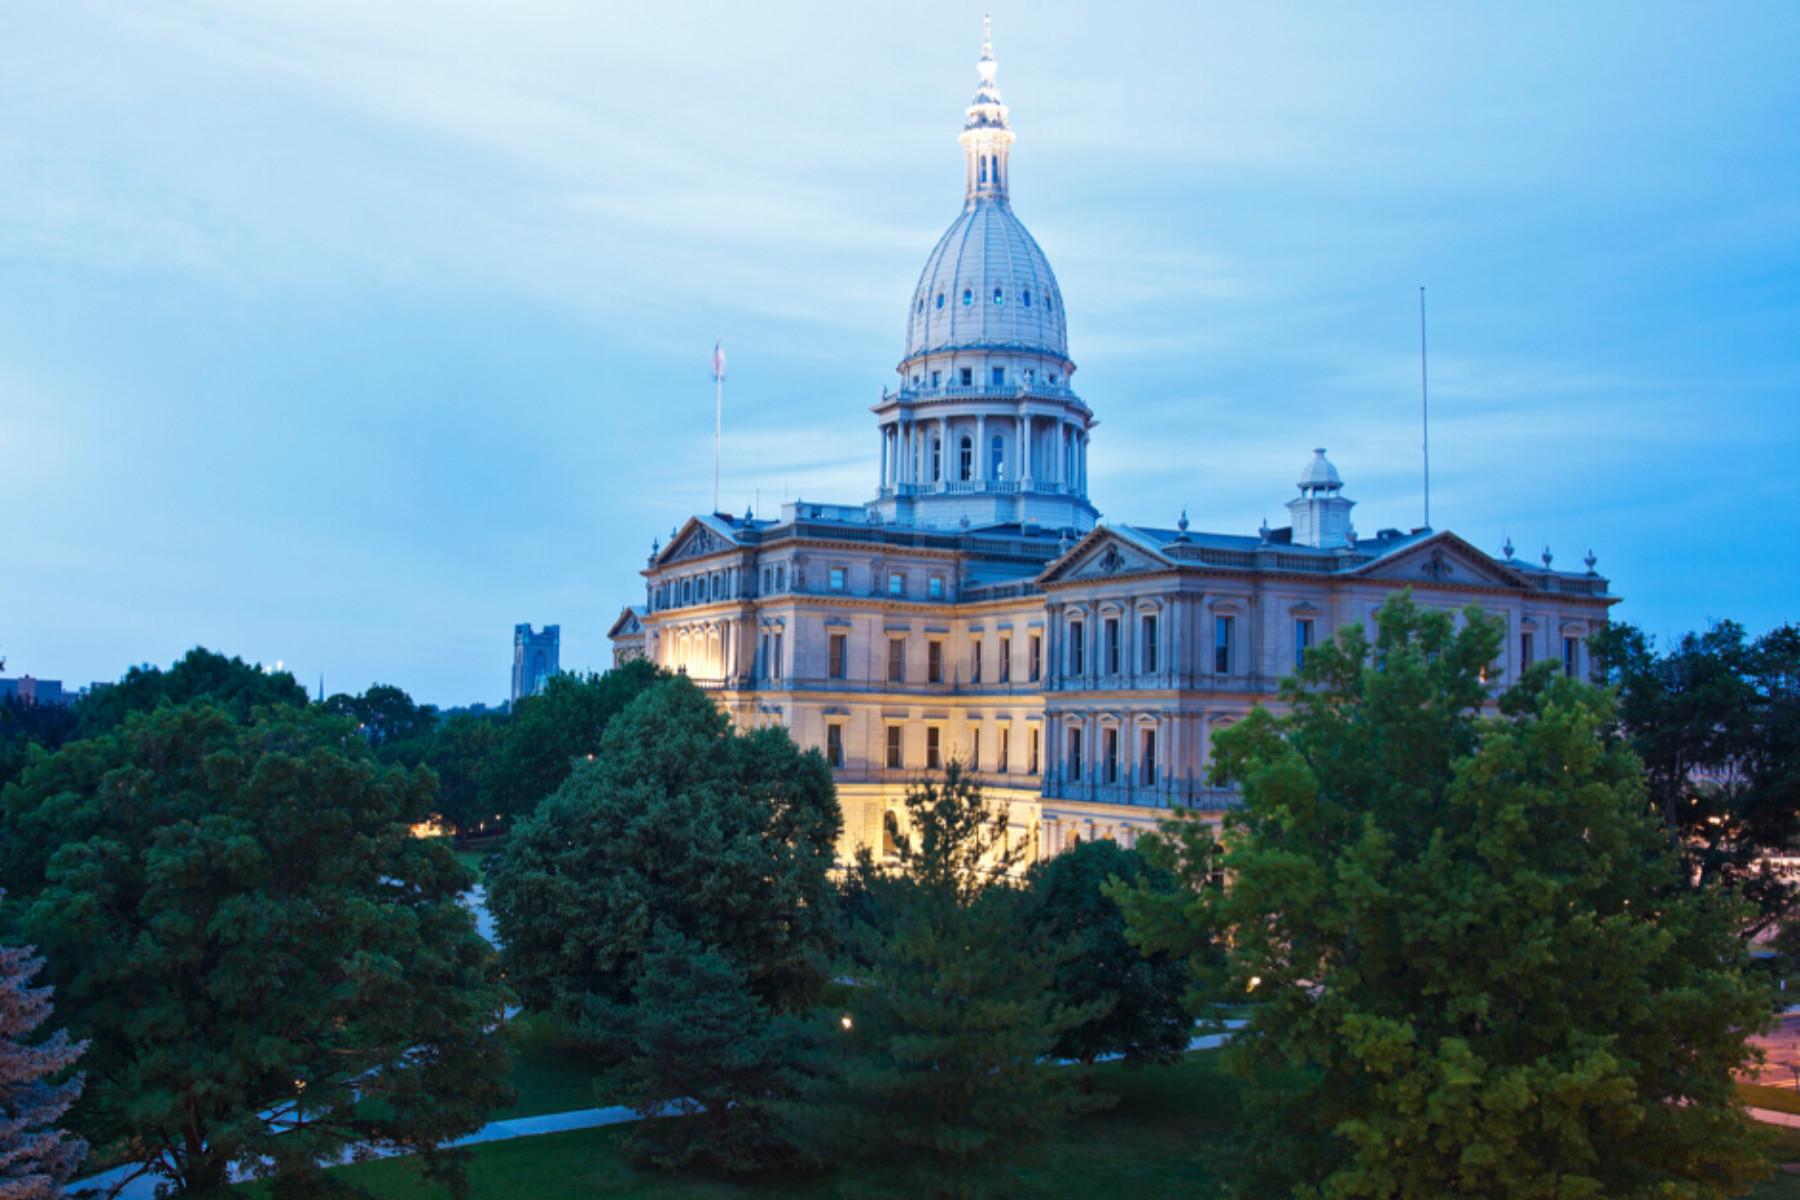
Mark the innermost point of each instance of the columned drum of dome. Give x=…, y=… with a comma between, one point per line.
x=985, y=428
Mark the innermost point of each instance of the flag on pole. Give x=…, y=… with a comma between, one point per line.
x=719, y=360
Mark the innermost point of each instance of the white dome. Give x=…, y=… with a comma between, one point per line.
x=987, y=285
x=1319, y=473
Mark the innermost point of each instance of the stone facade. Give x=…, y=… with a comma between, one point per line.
x=977, y=609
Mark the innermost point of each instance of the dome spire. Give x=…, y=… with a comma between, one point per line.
x=987, y=134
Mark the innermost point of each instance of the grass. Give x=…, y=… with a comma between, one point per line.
x=1159, y=1141
x=550, y=1072
x=1784, y=1146
x=1761, y=1095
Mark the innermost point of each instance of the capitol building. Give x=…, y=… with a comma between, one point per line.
x=978, y=608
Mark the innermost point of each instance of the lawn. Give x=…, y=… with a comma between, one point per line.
x=550, y=1072
x=1761, y=1095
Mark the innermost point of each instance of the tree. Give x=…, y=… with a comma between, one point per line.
x=1716, y=720
x=713, y=848
x=552, y=730
x=1478, y=971
x=388, y=719
x=943, y=1074
x=1144, y=1018
x=230, y=683
x=458, y=753
x=269, y=968
x=35, y=1158
x=23, y=726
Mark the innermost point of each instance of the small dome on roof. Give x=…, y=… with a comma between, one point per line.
x=1319, y=473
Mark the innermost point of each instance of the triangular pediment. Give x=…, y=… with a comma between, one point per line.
x=627, y=625
x=1103, y=554
x=1442, y=559
x=695, y=540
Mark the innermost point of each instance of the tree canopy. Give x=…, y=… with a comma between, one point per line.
x=267, y=965
x=232, y=684
x=36, y=1158
x=1477, y=970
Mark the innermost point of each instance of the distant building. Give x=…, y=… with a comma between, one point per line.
x=27, y=690
x=535, y=659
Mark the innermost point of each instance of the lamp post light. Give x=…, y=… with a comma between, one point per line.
x=847, y=1025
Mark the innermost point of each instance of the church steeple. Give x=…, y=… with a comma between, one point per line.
x=987, y=135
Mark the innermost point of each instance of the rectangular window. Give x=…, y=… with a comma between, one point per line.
x=1031, y=751
x=1005, y=748
x=768, y=661
x=975, y=659
x=838, y=577
x=896, y=660
x=1005, y=659
x=975, y=748
x=896, y=584
x=1035, y=657
x=1147, y=760
x=781, y=578
x=1571, y=656
x=840, y=655
x=894, y=761
x=1075, y=755
x=968, y=376
x=889, y=847
x=775, y=667
x=934, y=661
x=933, y=754
x=1077, y=650
x=999, y=376
x=1303, y=639
x=1112, y=645
x=935, y=587
x=1110, y=740
x=834, y=745
x=1147, y=630
x=1524, y=649
x=936, y=378
x=1223, y=628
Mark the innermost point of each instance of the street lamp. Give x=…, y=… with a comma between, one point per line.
x=847, y=1025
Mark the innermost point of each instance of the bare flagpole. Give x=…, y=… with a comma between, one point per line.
x=718, y=365
x=1424, y=410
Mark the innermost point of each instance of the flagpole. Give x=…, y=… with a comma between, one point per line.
x=718, y=366
x=1424, y=411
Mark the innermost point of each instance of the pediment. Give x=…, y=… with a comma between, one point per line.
x=627, y=625
x=694, y=541
x=1102, y=555
x=1446, y=560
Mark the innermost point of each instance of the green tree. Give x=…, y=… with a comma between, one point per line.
x=267, y=965
x=232, y=684
x=1144, y=1016
x=547, y=734
x=35, y=1158
x=23, y=726
x=1478, y=972
x=458, y=753
x=389, y=720
x=1715, y=718
x=943, y=1075
x=712, y=845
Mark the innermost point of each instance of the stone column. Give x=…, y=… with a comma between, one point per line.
x=944, y=467
x=981, y=470
x=1024, y=450
x=884, y=456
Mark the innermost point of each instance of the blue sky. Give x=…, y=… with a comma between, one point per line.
x=350, y=335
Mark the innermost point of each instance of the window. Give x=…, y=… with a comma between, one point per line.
x=999, y=296
x=1005, y=659
x=687, y=591
x=975, y=659
x=1025, y=299
x=1035, y=661
x=1077, y=650
x=934, y=587
x=896, y=660
x=889, y=847
x=1112, y=645
x=968, y=297
x=768, y=660
x=1031, y=751
x=1147, y=760
x=775, y=666
x=1111, y=757
x=838, y=576
x=781, y=578
x=1223, y=628
x=933, y=754
x=998, y=376
x=834, y=745
x=896, y=583
x=934, y=661
x=1524, y=649
x=1000, y=764
x=965, y=459
x=894, y=761
x=940, y=300
x=937, y=376
x=975, y=748
x=997, y=457
x=1075, y=755
x=1147, y=626
x=937, y=459
x=840, y=655
x=1571, y=656
x=967, y=376
x=1303, y=639
x=921, y=303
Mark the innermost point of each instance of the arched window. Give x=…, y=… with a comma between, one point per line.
x=984, y=168
x=940, y=300
x=999, y=296
x=921, y=304
x=937, y=460
x=966, y=459
x=1026, y=298
x=997, y=457
x=968, y=297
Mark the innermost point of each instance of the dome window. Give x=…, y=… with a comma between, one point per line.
x=999, y=296
x=968, y=297
x=1026, y=298
x=940, y=300
x=921, y=304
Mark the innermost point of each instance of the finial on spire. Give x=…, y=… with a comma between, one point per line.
x=1548, y=558
x=1590, y=560
x=987, y=133
x=987, y=36
x=1507, y=548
